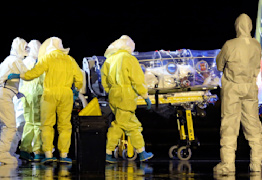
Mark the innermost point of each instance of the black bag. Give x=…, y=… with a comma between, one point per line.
x=90, y=141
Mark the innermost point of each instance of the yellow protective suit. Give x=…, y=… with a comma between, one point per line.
x=33, y=91
x=61, y=71
x=239, y=60
x=123, y=79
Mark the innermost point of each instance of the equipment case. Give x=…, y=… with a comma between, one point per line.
x=90, y=141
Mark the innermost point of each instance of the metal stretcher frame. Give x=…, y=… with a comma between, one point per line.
x=196, y=95
x=168, y=98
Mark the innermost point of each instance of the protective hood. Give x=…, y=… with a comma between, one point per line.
x=243, y=26
x=18, y=48
x=34, y=46
x=52, y=44
x=123, y=43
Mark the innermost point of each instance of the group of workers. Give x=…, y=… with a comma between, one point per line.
x=239, y=60
x=43, y=93
x=36, y=92
x=123, y=80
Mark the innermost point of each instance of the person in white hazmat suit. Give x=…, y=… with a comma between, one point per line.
x=8, y=89
x=20, y=122
x=33, y=90
x=239, y=60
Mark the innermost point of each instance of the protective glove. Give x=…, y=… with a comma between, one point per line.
x=148, y=103
x=19, y=95
x=13, y=76
x=76, y=94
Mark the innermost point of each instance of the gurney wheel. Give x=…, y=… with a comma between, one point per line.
x=184, y=153
x=124, y=155
x=173, y=152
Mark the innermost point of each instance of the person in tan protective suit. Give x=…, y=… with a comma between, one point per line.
x=239, y=60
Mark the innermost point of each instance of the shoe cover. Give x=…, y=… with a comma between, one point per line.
x=255, y=167
x=39, y=157
x=145, y=155
x=26, y=156
x=110, y=159
x=48, y=160
x=6, y=158
x=224, y=168
x=66, y=160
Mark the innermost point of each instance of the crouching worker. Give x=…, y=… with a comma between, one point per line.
x=123, y=79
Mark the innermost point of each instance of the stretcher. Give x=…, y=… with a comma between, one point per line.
x=182, y=78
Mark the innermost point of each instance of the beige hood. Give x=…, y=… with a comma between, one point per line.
x=243, y=26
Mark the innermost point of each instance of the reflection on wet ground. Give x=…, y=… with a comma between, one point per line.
x=131, y=170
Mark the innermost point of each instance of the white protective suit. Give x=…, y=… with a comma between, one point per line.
x=20, y=122
x=8, y=89
x=239, y=60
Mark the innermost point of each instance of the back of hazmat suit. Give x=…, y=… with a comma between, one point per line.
x=61, y=71
x=31, y=103
x=8, y=89
x=123, y=79
x=239, y=60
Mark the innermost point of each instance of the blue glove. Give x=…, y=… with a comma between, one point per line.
x=76, y=94
x=13, y=76
x=19, y=95
x=148, y=103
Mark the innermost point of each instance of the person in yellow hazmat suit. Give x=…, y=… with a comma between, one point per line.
x=239, y=60
x=123, y=79
x=33, y=90
x=61, y=71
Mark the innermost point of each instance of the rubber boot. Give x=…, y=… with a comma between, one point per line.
x=145, y=155
x=110, y=159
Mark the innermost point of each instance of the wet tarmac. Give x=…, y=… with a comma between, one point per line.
x=160, y=133
x=131, y=170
